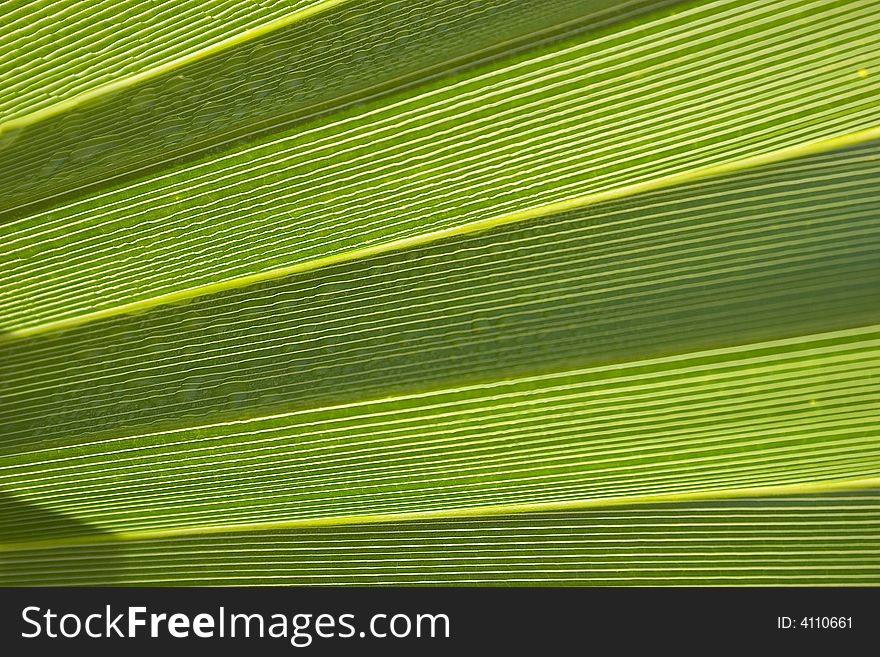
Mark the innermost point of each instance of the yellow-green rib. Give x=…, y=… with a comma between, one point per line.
x=808, y=540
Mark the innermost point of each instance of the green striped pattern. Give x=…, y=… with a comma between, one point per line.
x=576, y=294
x=793, y=412
x=805, y=540
x=53, y=50
x=583, y=116
x=328, y=55
x=724, y=261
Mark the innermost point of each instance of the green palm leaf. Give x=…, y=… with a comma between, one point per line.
x=406, y=293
